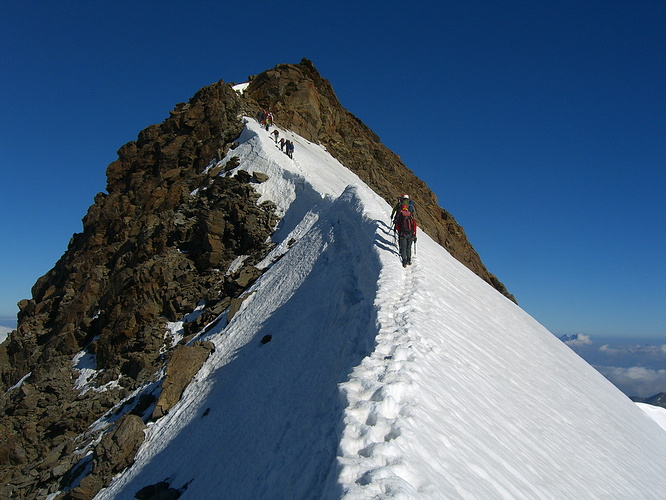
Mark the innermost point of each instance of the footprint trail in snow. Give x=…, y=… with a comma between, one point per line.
x=379, y=397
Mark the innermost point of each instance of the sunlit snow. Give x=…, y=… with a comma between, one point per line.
x=382, y=382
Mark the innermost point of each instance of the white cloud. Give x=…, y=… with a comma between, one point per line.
x=636, y=380
x=651, y=350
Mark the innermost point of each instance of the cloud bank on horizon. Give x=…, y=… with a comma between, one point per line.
x=636, y=369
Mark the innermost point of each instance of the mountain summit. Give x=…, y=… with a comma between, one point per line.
x=304, y=102
x=235, y=323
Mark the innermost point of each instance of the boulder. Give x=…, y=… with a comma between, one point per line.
x=183, y=366
x=118, y=447
x=259, y=177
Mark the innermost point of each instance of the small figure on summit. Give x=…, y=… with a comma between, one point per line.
x=405, y=227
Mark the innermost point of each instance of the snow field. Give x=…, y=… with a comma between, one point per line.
x=513, y=409
x=383, y=382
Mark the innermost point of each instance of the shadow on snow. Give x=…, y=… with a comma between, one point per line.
x=270, y=426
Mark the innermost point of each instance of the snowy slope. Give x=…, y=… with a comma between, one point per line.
x=384, y=382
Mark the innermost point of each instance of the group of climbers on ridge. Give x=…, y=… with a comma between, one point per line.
x=403, y=213
x=404, y=225
x=265, y=118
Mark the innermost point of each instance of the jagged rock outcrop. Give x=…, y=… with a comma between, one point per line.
x=155, y=246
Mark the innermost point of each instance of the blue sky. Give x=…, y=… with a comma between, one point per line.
x=539, y=125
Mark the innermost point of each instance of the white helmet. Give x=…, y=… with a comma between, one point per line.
x=405, y=197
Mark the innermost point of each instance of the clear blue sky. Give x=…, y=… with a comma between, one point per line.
x=540, y=125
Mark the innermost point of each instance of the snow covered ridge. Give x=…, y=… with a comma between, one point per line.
x=383, y=382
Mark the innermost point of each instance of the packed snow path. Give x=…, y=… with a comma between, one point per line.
x=378, y=398
x=384, y=382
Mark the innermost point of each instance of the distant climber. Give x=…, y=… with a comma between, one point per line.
x=276, y=134
x=282, y=144
x=289, y=148
x=405, y=227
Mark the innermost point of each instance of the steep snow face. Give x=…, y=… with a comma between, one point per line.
x=384, y=382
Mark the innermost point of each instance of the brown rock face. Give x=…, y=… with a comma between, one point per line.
x=153, y=247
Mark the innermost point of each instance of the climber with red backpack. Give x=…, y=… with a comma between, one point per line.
x=404, y=226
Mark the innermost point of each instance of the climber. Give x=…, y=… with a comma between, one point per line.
x=405, y=227
x=276, y=134
x=403, y=203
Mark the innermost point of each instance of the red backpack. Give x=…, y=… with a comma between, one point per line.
x=405, y=223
